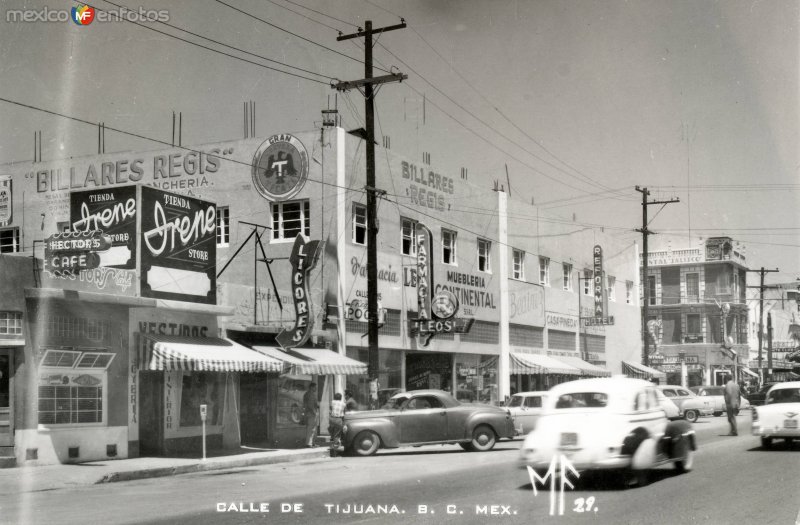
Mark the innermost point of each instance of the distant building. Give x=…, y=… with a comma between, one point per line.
x=698, y=311
x=780, y=356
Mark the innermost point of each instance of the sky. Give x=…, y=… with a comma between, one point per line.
x=571, y=103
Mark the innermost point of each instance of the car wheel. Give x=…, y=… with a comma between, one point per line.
x=717, y=414
x=483, y=439
x=766, y=442
x=686, y=464
x=691, y=416
x=366, y=443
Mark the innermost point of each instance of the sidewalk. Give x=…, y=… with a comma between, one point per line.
x=50, y=477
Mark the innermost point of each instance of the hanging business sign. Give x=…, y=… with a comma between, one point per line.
x=5, y=200
x=303, y=259
x=280, y=167
x=69, y=253
x=112, y=210
x=179, y=247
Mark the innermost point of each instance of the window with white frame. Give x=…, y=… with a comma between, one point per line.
x=408, y=234
x=567, y=273
x=9, y=240
x=449, y=247
x=518, y=264
x=289, y=219
x=628, y=292
x=544, y=271
x=484, y=255
x=611, y=283
x=587, y=282
x=359, y=224
x=72, y=386
x=223, y=226
x=10, y=323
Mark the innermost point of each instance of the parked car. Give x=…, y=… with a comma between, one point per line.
x=423, y=417
x=716, y=394
x=670, y=409
x=614, y=424
x=757, y=398
x=690, y=406
x=525, y=408
x=779, y=416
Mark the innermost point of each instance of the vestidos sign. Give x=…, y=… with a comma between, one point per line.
x=303, y=259
x=179, y=247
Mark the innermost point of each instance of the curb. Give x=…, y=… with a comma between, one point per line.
x=158, y=472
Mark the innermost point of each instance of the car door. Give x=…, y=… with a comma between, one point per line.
x=528, y=413
x=423, y=419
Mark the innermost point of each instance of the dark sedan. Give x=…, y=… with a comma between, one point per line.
x=757, y=398
x=424, y=417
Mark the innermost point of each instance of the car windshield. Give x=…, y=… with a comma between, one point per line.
x=783, y=395
x=581, y=400
x=713, y=392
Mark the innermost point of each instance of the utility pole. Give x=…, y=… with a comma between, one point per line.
x=761, y=288
x=645, y=232
x=372, y=220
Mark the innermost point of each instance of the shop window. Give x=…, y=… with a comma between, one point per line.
x=566, y=270
x=72, y=386
x=290, y=219
x=60, y=358
x=9, y=240
x=408, y=233
x=10, y=323
x=201, y=388
x=476, y=378
x=544, y=271
x=484, y=255
x=628, y=292
x=587, y=282
x=611, y=283
x=518, y=269
x=359, y=224
x=97, y=360
x=223, y=226
x=651, y=290
x=449, y=247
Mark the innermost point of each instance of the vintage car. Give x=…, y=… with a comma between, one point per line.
x=525, y=408
x=670, y=409
x=690, y=406
x=615, y=424
x=423, y=417
x=758, y=397
x=716, y=394
x=779, y=416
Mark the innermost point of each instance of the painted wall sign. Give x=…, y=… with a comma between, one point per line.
x=280, y=167
x=556, y=320
x=179, y=247
x=303, y=259
x=674, y=257
x=6, y=201
x=427, y=189
x=113, y=211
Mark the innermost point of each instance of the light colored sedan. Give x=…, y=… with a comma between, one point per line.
x=716, y=394
x=690, y=405
x=525, y=408
x=779, y=416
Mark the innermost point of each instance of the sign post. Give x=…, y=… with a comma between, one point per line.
x=203, y=415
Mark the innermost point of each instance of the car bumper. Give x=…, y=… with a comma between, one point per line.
x=774, y=431
x=542, y=463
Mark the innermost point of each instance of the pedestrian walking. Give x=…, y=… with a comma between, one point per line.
x=351, y=404
x=336, y=422
x=311, y=411
x=732, y=400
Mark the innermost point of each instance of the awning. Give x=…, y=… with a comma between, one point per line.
x=748, y=372
x=314, y=361
x=587, y=369
x=642, y=372
x=207, y=354
x=540, y=364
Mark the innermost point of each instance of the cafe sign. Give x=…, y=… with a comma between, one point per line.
x=68, y=253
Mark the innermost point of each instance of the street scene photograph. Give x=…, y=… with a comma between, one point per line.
x=399, y=261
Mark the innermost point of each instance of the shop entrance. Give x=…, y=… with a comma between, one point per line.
x=151, y=401
x=258, y=404
x=6, y=391
x=429, y=370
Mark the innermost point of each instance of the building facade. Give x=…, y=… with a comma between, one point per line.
x=780, y=335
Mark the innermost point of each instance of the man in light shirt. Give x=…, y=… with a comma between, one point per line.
x=732, y=400
x=336, y=421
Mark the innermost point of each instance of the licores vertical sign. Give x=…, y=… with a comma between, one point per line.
x=424, y=272
x=6, y=203
x=599, y=288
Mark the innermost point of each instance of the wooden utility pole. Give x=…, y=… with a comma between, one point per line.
x=372, y=221
x=645, y=232
x=761, y=288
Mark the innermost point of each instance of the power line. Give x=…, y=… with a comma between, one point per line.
x=323, y=14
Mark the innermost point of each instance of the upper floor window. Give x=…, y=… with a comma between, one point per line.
x=289, y=219
x=223, y=226
x=567, y=272
x=544, y=271
x=518, y=261
x=651, y=289
x=9, y=240
x=692, y=288
x=359, y=224
x=10, y=323
x=449, y=247
x=484, y=253
x=409, y=236
x=612, y=284
x=628, y=292
x=587, y=282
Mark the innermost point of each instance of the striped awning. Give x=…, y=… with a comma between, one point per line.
x=640, y=371
x=540, y=364
x=314, y=361
x=748, y=372
x=206, y=354
x=586, y=368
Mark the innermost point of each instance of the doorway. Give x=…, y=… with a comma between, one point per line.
x=257, y=398
x=151, y=401
x=6, y=393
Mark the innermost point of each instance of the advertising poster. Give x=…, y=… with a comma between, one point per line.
x=112, y=211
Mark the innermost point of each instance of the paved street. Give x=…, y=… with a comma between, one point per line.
x=733, y=481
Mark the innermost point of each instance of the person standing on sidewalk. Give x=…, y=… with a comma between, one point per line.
x=732, y=396
x=336, y=421
x=311, y=408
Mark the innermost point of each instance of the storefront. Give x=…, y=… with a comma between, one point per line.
x=640, y=371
